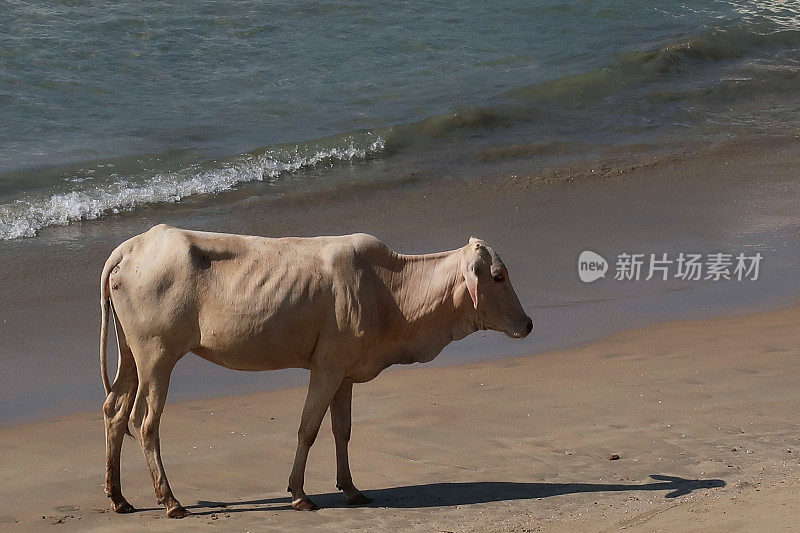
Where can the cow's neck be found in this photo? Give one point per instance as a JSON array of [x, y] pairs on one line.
[[431, 293]]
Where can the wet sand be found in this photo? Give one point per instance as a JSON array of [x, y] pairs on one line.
[[702, 415], [736, 196]]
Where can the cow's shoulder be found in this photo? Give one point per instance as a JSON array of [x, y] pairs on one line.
[[356, 288]]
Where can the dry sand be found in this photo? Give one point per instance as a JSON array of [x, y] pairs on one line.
[[703, 415]]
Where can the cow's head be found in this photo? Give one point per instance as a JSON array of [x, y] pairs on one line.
[[493, 297]]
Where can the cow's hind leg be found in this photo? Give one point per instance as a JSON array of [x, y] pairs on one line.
[[116, 412], [151, 395], [340, 424]]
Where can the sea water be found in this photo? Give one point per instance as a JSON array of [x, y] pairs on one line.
[[107, 108]]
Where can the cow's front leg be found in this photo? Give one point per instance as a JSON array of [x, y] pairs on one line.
[[340, 424], [321, 387]]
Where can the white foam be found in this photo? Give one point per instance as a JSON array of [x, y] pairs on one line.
[[25, 217]]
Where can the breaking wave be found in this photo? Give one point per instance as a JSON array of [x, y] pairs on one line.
[[24, 217]]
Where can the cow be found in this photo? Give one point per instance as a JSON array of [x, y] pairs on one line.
[[344, 307]]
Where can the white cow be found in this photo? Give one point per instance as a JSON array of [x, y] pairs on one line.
[[343, 307]]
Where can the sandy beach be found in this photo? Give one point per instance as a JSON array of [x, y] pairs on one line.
[[494, 435], [702, 415]]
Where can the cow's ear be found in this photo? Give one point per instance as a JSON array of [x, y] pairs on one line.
[[471, 277]]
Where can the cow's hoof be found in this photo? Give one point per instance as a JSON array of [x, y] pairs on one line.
[[357, 499], [304, 504], [123, 507], [177, 512]]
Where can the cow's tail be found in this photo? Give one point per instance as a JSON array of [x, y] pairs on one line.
[[105, 307]]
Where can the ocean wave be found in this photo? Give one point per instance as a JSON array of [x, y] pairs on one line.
[[630, 71], [731, 43], [730, 90], [439, 127], [663, 62], [26, 216]]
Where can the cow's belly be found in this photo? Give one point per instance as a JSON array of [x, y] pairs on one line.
[[255, 343], [268, 358]]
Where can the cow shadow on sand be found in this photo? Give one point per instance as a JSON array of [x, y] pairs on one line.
[[450, 494]]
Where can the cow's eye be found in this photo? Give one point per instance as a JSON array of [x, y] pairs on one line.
[[498, 278]]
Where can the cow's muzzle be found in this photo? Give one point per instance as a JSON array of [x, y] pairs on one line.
[[523, 330]]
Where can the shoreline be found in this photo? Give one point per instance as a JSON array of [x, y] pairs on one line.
[[701, 413], [736, 196], [302, 375]]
